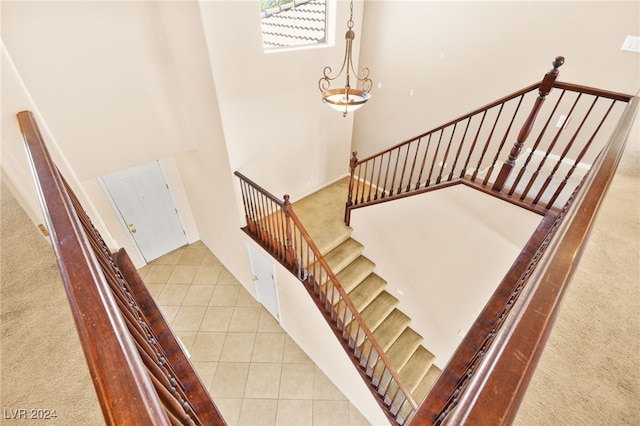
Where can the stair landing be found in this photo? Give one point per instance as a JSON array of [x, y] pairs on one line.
[[322, 214]]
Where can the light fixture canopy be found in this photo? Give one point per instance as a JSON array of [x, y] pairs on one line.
[[346, 99]]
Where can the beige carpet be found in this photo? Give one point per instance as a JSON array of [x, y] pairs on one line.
[[42, 366], [588, 375]]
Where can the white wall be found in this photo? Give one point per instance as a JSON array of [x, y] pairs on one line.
[[445, 266], [102, 78], [15, 164], [16, 169], [270, 103], [457, 56]]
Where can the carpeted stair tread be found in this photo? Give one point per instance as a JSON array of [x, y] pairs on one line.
[[343, 255], [355, 273], [402, 349], [392, 327], [425, 384], [388, 331], [416, 368], [373, 315], [363, 294], [378, 310], [400, 352], [367, 291]]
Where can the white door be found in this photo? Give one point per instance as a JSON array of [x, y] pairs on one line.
[[264, 281], [142, 198]]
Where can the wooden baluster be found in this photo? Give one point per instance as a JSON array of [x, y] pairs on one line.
[[460, 145], [359, 193], [378, 180], [424, 162], [273, 235], [489, 171], [404, 167], [244, 202], [386, 175], [283, 233], [473, 146], [413, 165], [291, 254], [264, 230], [443, 162], [433, 160], [251, 215], [395, 170], [373, 168], [352, 167], [545, 87]]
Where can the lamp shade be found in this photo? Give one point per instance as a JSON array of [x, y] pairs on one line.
[[345, 100]]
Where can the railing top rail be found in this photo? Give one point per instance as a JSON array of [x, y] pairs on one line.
[[121, 381], [624, 97], [261, 189]]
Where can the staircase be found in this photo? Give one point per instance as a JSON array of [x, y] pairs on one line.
[[312, 242], [322, 215]]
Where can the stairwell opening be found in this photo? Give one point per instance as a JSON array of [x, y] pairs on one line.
[[443, 255]]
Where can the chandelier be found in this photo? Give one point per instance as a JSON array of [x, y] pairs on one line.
[[346, 99]]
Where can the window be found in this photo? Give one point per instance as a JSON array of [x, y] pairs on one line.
[[293, 23]]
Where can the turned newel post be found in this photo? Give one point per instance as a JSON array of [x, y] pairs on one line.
[[352, 167], [290, 256], [544, 89]]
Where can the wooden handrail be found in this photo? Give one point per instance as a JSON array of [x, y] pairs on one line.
[[122, 348], [616, 96]]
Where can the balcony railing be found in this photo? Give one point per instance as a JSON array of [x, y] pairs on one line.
[[531, 148], [140, 373]]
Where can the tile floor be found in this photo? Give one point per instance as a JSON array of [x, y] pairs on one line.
[[254, 371]]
